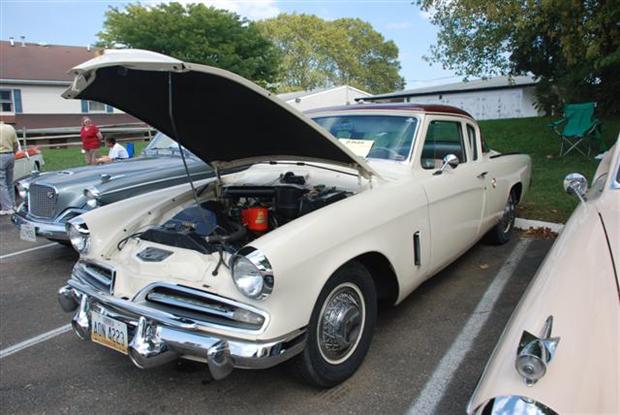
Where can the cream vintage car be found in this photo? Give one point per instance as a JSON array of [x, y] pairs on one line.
[[560, 352], [287, 254]]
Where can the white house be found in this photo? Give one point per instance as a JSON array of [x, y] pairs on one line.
[[33, 76], [320, 98], [484, 99]]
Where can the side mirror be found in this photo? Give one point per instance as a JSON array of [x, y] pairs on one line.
[[576, 184], [448, 160]]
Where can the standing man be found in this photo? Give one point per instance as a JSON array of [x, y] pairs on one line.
[[91, 141], [8, 147]]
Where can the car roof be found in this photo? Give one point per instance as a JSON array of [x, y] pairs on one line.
[[398, 106]]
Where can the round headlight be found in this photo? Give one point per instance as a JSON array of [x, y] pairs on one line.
[[252, 275], [79, 235], [22, 189], [92, 203], [92, 196]]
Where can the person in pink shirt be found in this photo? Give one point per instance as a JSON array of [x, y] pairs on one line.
[[91, 140]]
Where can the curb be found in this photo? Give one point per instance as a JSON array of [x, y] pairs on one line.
[[526, 224]]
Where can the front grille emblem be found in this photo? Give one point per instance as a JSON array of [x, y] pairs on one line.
[[50, 194]]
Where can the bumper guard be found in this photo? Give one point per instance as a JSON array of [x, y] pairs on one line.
[[157, 337]]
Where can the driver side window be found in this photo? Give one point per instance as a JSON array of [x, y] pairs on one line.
[[442, 138]]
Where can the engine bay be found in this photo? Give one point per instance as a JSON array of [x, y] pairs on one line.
[[242, 213]]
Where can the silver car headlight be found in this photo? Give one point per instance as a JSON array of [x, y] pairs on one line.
[[22, 189], [252, 273], [92, 196], [79, 235]]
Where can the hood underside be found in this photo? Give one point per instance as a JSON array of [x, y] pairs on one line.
[[221, 117]]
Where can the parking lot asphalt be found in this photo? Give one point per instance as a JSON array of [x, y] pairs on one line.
[[66, 375]]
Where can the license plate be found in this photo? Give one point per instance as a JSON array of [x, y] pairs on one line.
[[108, 332], [27, 232]]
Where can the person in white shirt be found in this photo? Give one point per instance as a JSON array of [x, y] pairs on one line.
[[117, 152]]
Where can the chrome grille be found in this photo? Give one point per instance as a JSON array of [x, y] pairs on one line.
[[95, 275], [199, 305], [42, 201]]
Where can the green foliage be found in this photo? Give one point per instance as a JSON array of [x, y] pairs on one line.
[[546, 199], [194, 33], [319, 53], [71, 156], [573, 46]]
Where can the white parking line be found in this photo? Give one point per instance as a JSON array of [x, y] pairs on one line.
[[35, 340], [28, 250], [433, 391]]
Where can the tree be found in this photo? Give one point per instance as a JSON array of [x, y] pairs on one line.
[[572, 46], [194, 33], [319, 53]]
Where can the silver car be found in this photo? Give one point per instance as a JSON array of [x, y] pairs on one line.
[[51, 199]]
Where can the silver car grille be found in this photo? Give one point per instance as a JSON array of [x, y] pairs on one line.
[[96, 276], [202, 306], [42, 201]]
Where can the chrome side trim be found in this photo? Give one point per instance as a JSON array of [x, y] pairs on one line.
[[122, 189]]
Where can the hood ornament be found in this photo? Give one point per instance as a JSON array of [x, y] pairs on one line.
[[535, 353]]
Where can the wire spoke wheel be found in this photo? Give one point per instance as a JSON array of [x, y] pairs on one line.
[[341, 323], [340, 328], [508, 217]]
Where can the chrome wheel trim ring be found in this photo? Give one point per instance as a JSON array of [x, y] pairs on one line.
[[341, 323], [509, 215]]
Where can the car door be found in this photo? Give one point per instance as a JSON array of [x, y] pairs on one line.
[[456, 195], [484, 174]]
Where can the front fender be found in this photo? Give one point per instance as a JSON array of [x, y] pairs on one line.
[[307, 251]]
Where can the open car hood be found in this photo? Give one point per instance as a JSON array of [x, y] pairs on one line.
[[221, 117]]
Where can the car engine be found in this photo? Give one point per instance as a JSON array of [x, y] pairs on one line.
[[241, 214]]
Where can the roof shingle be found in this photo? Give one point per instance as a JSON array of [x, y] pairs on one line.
[[40, 63]]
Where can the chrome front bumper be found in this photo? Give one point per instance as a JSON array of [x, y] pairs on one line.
[[50, 230], [157, 337]]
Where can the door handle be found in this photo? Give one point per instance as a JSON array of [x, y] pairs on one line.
[[481, 175]]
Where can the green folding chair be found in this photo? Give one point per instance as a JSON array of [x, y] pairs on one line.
[[581, 129]]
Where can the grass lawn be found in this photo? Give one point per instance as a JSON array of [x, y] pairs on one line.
[[63, 158], [546, 199]]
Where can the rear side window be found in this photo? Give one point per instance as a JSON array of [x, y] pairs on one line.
[[442, 138], [485, 147], [473, 143]]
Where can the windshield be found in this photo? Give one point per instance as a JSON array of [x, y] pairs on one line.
[[373, 136], [162, 145]]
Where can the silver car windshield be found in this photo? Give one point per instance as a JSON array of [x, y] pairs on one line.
[[373, 136], [162, 145]]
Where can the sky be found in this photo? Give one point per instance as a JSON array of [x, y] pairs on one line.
[[76, 22]]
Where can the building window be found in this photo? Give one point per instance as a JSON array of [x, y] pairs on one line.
[[6, 100], [94, 106]]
